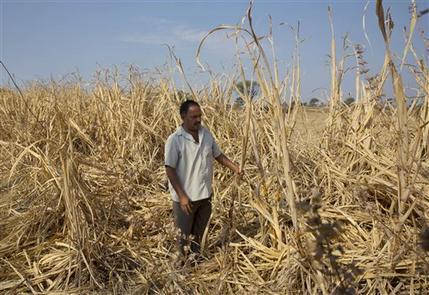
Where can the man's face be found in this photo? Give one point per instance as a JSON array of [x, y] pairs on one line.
[[192, 118]]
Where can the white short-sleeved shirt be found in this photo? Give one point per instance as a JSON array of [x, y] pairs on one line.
[[193, 162]]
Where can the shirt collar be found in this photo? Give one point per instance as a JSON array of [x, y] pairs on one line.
[[181, 131]]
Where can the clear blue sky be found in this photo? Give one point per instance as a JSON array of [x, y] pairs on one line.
[[43, 39]]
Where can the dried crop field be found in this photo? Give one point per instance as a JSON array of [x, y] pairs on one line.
[[333, 200]]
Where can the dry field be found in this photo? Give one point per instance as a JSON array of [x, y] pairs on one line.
[[333, 200]]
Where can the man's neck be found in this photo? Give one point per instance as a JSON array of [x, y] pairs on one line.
[[193, 133]]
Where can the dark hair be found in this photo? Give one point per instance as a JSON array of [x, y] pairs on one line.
[[184, 107]]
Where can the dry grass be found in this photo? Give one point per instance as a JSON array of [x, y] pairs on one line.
[[84, 206]]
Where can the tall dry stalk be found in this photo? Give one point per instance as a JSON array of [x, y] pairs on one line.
[[84, 207]]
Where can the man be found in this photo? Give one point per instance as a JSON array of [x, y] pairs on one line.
[[189, 154]]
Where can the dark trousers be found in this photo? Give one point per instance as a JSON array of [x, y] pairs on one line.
[[192, 226]]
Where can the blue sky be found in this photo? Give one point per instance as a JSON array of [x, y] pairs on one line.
[[43, 39]]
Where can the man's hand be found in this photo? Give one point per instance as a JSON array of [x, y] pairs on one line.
[[224, 161], [238, 172], [185, 204]]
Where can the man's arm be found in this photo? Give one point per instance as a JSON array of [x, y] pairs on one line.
[[224, 161], [183, 198]]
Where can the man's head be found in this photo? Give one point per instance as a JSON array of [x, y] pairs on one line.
[[190, 112]]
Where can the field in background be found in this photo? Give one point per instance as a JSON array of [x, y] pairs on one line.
[[311, 123], [334, 200]]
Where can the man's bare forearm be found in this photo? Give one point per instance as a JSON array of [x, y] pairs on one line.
[[174, 180], [224, 161]]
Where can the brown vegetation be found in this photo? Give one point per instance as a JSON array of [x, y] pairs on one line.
[[332, 200]]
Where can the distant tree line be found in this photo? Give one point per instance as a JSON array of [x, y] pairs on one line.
[[252, 90]]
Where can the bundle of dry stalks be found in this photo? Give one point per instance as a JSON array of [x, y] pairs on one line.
[[332, 200]]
